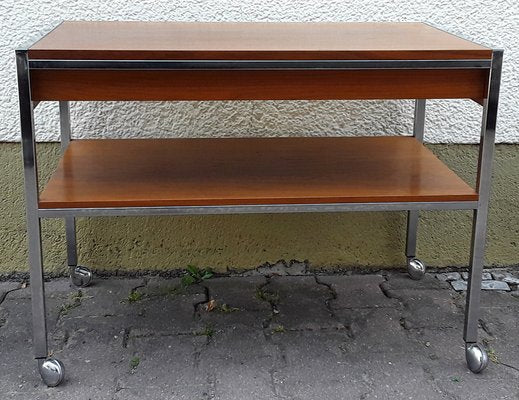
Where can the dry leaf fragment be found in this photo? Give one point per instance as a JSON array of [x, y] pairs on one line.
[[210, 306]]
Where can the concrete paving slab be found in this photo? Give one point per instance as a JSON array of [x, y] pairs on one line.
[[492, 299], [456, 382], [142, 306], [162, 367], [357, 291], [235, 303], [325, 371], [407, 345], [297, 297], [428, 308], [377, 330], [237, 369], [7, 287]]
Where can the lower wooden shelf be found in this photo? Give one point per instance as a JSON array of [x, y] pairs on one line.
[[198, 172]]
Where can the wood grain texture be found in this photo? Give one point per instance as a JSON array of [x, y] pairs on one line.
[[258, 85], [246, 41], [186, 172]]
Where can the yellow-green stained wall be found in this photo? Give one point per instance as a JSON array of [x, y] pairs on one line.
[[370, 240]]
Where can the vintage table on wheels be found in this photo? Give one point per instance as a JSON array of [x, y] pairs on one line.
[[139, 61]]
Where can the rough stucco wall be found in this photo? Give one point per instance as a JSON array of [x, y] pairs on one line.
[[243, 241], [492, 23], [349, 239]]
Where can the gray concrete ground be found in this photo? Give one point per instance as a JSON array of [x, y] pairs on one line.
[[260, 337]]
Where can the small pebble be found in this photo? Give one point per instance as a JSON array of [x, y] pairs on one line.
[[459, 285], [506, 277], [486, 276], [485, 285], [448, 276], [495, 285]]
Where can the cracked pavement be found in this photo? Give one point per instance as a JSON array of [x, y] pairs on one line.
[[272, 334]]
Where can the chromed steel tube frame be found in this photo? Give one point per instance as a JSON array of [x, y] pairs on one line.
[[412, 215], [483, 186], [254, 209], [34, 214], [70, 221], [258, 64], [39, 321]]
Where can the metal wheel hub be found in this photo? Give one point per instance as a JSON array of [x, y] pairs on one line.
[[415, 268], [80, 276], [476, 356], [52, 371]]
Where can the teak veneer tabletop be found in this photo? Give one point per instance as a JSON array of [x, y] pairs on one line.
[[197, 172], [112, 40]]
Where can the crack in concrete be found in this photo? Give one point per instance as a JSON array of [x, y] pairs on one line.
[[402, 305], [3, 295], [333, 296], [507, 366], [273, 305], [436, 387], [207, 295], [280, 360], [280, 363], [211, 381], [145, 281], [126, 337], [197, 354], [483, 325]]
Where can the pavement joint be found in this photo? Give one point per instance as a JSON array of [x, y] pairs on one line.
[[3, 295], [333, 296], [387, 291], [280, 363], [483, 325], [126, 337], [506, 365], [436, 387], [280, 360], [270, 298], [212, 385], [199, 349]]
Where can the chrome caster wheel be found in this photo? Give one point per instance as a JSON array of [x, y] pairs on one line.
[[476, 356], [80, 276], [52, 371], [415, 268]]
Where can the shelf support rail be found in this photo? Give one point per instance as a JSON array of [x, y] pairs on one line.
[[254, 209], [483, 186]]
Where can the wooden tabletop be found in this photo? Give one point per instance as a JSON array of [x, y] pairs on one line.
[[252, 41], [194, 172]]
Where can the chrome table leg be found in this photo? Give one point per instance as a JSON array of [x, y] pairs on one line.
[[51, 376], [476, 356], [79, 275], [415, 267]]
